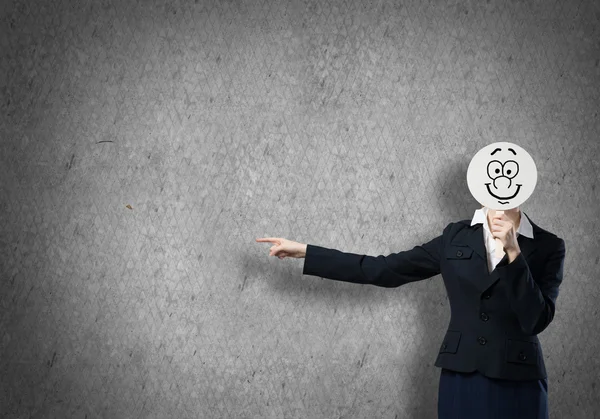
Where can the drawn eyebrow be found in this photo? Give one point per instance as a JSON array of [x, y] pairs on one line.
[[498, 149]]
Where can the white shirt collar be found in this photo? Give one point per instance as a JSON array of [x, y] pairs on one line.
[[524, 228]]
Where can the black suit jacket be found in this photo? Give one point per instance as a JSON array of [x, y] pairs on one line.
[[495, 317]]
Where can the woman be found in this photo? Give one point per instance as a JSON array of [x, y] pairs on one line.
[[491, 359]]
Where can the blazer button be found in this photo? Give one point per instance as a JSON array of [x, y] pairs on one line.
[[481, 340], [444, 346], [486, 296], [522, 356], [484, 317], [459, 253]]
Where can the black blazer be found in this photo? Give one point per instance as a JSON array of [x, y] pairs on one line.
[[495, 317]]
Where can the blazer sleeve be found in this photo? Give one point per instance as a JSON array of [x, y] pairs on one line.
[[534, 302], [421, 262]]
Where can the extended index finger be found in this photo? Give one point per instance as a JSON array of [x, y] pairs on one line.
[[270, 240]]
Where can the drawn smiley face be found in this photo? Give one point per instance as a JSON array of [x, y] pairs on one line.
[[501, 176]]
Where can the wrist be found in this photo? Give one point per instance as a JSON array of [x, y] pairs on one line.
[[512, 253]]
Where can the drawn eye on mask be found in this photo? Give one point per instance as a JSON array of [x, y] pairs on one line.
[[501, 176]]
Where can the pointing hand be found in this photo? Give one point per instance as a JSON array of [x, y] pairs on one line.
[[284, 248]]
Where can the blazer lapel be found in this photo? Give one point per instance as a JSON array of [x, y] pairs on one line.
[[473, 237]]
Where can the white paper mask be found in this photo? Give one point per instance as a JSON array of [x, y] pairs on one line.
[[501, 176]]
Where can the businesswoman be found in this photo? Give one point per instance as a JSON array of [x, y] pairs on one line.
[[491, 360]]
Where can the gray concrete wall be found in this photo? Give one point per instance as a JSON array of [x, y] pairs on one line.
[[343, 124]]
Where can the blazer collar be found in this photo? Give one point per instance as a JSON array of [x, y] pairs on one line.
[[473, 237]]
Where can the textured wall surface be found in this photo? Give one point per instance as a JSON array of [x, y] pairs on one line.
[[144, 146]]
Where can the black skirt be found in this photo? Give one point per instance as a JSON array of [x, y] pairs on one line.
[[473, 395]]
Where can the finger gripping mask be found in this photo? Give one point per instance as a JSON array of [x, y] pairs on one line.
[[501, 176]]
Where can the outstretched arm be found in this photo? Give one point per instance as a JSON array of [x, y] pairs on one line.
[[421, 262]]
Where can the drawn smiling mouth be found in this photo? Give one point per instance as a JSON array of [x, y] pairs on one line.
[[503, 197]]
